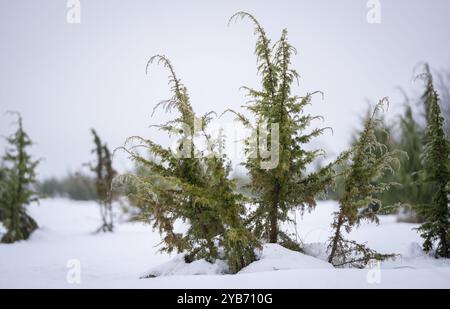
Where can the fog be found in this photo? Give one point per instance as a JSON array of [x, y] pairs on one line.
[[67, 78]]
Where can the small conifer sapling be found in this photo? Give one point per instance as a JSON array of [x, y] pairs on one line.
[[436, 228], [284, 187], [105, 174], [18, 176], [368, 162], [185, 184]]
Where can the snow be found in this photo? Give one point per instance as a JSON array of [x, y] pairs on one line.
[[178, 267], [119, 259], [275, 257]]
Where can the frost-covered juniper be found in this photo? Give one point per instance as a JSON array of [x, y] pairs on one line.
[[185, 184], [368, 162], [435, 157], [17, 178], [279, 190], [104, 173]]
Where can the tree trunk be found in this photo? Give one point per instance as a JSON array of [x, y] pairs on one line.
[[445, 250], [273, 217], [336, 237]]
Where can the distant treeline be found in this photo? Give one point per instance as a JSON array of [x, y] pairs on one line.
[[76, 186]]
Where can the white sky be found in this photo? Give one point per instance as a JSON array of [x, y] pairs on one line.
[[66, 78]]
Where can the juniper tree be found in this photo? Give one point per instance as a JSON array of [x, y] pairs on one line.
[[383, 134], [368, 162], [104, 176], [435, 158], [185, 184], [16, 189], [281, 189], [409, 139]]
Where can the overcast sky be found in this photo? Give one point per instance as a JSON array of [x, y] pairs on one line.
[[66, 78]]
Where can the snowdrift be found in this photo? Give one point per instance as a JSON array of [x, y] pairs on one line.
[[273, 257]]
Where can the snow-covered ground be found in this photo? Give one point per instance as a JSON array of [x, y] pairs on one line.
[[65, 241]]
